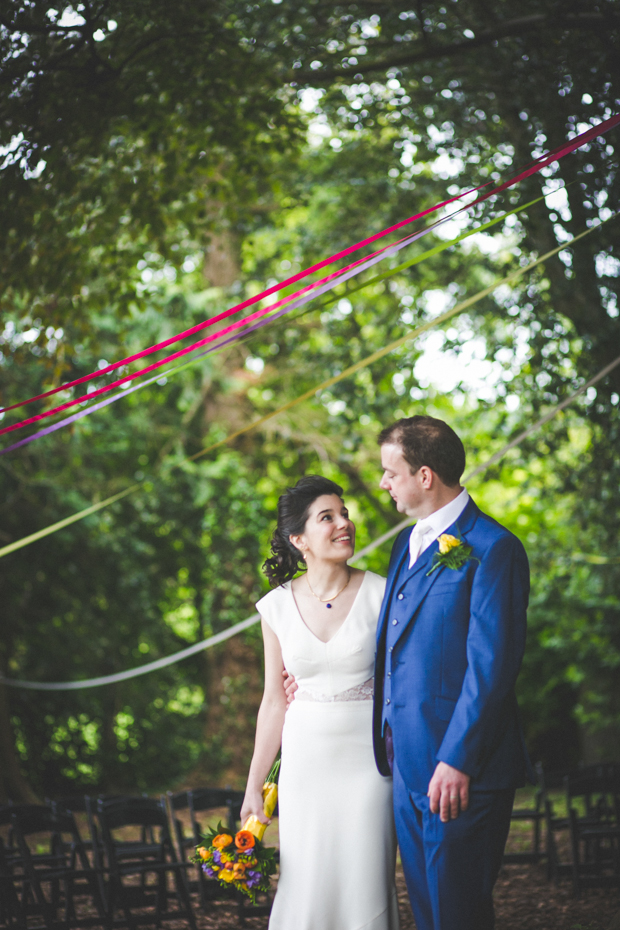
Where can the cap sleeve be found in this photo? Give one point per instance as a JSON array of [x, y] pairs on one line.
[[377, 584], [268, 608]]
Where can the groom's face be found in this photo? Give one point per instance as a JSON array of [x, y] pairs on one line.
[[407, 490]]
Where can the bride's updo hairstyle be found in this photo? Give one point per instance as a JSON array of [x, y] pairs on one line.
[[293, 508]]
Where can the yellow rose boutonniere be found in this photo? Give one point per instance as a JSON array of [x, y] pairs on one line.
[[447, 542], [453, 553]]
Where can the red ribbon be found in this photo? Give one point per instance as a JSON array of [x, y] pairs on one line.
[[545, 160], [236, 309], [196, 345]]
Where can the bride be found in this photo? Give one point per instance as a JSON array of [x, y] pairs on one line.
[[337, 839]]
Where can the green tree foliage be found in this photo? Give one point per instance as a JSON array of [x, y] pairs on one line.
[[128, 128], [144, 579], [167, 129]]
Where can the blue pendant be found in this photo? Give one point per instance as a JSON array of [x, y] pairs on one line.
[[329, 606]]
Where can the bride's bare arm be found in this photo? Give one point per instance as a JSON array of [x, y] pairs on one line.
[[268, 726]]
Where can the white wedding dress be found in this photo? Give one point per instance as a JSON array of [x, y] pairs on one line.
[[337, 837]]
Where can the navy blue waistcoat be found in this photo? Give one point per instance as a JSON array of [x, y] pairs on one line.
[[397, 614]]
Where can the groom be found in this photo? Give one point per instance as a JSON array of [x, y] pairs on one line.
[[450, 641]]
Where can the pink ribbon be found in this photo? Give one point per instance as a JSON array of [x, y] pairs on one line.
[[236, 309], [317, 285], [536, 166]]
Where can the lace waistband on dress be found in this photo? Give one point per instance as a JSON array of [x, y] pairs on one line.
[[363, 692]]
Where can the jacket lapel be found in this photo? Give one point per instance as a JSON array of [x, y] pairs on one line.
[[419, 579], [466, 521], [419, 584]]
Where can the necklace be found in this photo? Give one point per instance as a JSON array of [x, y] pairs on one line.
[[324, 600]]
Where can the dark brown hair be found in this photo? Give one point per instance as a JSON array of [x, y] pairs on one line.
[[428, 441], [293, 507]]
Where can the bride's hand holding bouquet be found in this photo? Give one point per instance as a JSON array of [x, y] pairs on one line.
[[241, 860]]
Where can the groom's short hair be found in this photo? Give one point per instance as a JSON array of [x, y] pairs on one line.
[[428, 441]]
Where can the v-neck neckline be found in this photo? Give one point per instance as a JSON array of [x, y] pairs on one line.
[[344, 622]]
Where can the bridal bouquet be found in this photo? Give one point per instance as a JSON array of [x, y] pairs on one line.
[[241, 861]]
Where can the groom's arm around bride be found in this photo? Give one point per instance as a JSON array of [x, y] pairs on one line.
[[451, 637]]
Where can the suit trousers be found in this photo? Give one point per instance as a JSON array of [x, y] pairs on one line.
[[451, 868]]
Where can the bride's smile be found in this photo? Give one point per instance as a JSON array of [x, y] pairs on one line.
[[329, 533]]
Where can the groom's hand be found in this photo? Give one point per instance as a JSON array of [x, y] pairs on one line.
[[290, 686], [448, 791]]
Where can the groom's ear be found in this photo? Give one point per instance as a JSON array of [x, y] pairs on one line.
[[427, 477]]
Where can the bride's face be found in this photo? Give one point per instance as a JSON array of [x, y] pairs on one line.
[[329, 534]]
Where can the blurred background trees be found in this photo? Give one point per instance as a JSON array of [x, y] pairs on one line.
[[163, 161]]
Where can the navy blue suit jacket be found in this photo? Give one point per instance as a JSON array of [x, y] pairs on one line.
[[456, 660]]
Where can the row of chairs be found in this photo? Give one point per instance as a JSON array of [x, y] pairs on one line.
[[130, 863], [590, 824], [126, 872]]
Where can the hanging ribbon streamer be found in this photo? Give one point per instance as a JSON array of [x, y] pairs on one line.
[[536, 166], [246, 624], [340, 278], [290, 303], [239, 307], [104, 403], [458, 308], [26, 540], [310, 290]]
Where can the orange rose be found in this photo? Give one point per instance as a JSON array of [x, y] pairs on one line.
[[238, 871], [203, 853], [244, 840], [221, 840]]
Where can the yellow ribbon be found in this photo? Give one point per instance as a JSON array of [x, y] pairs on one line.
[[458, 308], [352, 369]]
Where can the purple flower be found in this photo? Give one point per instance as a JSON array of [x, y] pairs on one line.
[[253, 878], [217, 858], [208, 871]]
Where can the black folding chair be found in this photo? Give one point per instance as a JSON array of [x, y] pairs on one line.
[[64, 871], [555, 824], [150, 853], [74, 804], [535, 815], [595, 829], [202, 801], [9, 902], [196, 802], [10, 849], [13, 859]]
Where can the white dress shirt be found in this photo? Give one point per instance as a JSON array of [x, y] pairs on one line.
[[427, 530]]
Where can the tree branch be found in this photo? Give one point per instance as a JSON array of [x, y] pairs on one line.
[[514, 27]]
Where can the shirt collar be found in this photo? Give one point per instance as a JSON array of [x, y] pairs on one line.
[[436, 524], [439, 521]]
